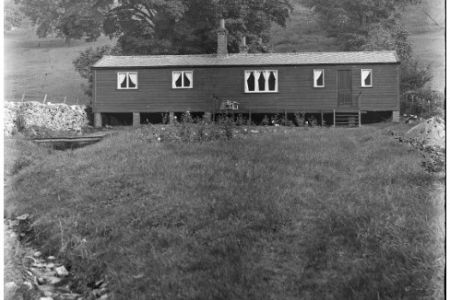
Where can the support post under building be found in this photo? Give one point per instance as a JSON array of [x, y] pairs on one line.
[[136, 119], [97, 120]]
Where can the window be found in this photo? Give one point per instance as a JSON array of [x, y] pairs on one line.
[[366, 77], [261, 81], [127, 80], [182, 79], [319, 78]]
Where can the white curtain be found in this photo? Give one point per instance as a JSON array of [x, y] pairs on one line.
[[120, 78], [189, 76], [247, 76], [364, 76], [266, 78], [175, 76], [317, 74], [132, 80]]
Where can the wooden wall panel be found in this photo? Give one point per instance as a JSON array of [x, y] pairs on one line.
[[295, 90]]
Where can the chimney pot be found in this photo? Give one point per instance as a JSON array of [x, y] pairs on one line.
[[222, 39], [243, 48]]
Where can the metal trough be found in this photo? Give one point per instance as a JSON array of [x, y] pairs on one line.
[[63, 143]]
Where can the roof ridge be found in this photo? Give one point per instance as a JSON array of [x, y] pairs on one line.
[[253, 59]]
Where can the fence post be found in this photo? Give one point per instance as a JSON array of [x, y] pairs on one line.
[[45, 98]]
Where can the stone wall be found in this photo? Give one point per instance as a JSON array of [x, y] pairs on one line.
[[53, 116]]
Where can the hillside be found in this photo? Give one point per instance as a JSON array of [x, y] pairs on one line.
[[44, 66]]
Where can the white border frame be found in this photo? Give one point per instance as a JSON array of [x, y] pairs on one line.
[[314, 81], [371, 78], [127, 73], [182, 80], [261, 92]]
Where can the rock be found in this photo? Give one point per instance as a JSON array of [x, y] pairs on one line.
[[96, 292], [104, 297], [69, 296], [48, 293], [10, 288], [98, 283], [54, 116], [38, 265], [51, 258], [41, 280], [54, 280], [46, 298], [37, 254], [23, 217], [62, 271], [46, 288], [28, 285], [13, 223], [50, 266]]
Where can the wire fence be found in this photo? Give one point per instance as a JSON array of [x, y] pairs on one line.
[[45, 98]]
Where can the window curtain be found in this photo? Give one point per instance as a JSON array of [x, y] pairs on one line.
[[121, 80], [317, 74], [366, 77], [257, 74], [247, 76], [176, 82], [272, 81], [189, 78], [132, 80]]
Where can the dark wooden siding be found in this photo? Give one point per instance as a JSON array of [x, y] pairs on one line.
[[295, 90]]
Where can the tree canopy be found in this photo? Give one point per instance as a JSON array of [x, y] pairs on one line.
[[364, 24], [66, 18], [180, 27]]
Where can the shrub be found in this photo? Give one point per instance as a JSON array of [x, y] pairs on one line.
[[423, 102]]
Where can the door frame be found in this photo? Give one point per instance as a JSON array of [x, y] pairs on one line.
[[337, 88]]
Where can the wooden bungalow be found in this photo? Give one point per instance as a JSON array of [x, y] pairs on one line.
[[344, 84]]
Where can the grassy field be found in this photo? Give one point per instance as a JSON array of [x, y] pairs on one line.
[[43, 66], [292, 213]]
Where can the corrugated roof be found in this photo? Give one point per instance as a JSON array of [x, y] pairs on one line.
[[300, 58]]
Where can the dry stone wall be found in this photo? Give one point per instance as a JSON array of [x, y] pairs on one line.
[[53, 116]]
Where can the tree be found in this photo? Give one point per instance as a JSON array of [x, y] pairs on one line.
[[13, 15], [87, 59], [364, 24], [182, 27], [66, 18]]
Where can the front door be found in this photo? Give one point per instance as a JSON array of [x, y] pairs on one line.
[[344, 84]]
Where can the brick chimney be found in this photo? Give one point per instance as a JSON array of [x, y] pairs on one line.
[[222, 39], [243, 48]]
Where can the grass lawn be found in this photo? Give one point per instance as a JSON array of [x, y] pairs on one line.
[[291, 214]]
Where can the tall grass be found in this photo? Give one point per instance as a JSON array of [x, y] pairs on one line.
[[301, 213]]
